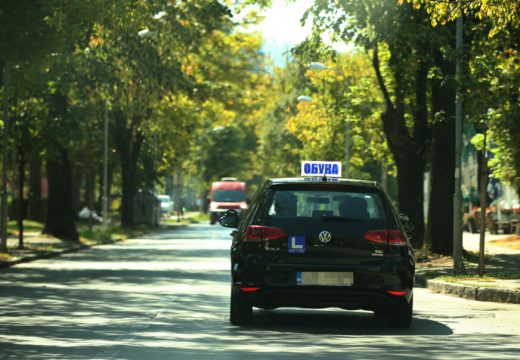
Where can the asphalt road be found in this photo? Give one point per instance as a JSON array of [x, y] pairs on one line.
[[167, 297]]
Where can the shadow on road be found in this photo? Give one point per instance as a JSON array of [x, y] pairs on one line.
[[168, 298], [339, 322]]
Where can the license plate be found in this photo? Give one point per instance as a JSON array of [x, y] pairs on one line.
[[325, 278]]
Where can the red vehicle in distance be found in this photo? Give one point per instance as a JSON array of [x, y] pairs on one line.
[[226, 194]]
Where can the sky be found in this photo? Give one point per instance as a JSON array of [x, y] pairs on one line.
[[282, 29]]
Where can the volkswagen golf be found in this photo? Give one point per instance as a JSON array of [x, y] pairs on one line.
[[314, 243]]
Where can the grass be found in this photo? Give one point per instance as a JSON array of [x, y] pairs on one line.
[[28, 225], [5, 257], [473, 276], [198, 218], [434, 266], [102, 235], [466, 277], [191, 218], [489, 281], [36, 243]]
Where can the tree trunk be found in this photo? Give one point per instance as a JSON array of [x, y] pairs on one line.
[[411, 194], [408, 150], [60, 212], [440, 214], [128, 140], [77, 180], [34, 211]]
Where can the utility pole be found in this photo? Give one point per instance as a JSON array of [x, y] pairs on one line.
[[483, 206], [457, 195], [3, 205], [104, 198]]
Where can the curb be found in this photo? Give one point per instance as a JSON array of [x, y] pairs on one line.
[[474, 293], [56, 253], [52, 254]]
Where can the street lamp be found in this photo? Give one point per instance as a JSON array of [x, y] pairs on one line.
[[145, 33], [458, 265], [304, 98], [319, 66]]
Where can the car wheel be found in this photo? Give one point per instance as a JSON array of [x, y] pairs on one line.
[[241, 311], [212, 218], [402, 315]]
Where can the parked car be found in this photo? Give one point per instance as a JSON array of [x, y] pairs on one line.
[[166, 204], [503, 220], [314, 244]]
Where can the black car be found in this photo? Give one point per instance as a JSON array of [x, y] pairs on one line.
[[320, 243]]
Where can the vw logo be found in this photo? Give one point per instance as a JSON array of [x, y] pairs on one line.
[[324, 236]]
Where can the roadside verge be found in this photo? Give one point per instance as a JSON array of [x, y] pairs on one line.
[[501, 282], [494, 294]]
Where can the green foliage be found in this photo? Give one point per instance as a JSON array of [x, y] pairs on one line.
[[344, 93], [163, 72], [501, 14], [279, 150]]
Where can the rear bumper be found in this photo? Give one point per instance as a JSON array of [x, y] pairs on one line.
[[217, 214], [325, 296]]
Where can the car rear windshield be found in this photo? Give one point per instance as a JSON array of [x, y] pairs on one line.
[[229, 196], [329, 203]]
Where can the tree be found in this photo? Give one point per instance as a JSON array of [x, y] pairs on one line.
[[343, 95], [499, 13], [225, 143], [443, 85], [397, 40], [492, 48], [279, 150]]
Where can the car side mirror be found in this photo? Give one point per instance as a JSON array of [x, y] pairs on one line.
[[408, 226], [230, 219]]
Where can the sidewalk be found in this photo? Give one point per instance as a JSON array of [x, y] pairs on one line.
[[38, 246], [502, 270]]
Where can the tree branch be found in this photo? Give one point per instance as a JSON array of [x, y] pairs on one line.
[[380, 80]]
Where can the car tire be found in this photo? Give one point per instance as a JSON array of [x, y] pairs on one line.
[[240, 311], [402, 315], [212, 218]]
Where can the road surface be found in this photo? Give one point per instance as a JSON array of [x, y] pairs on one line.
[[166, 296]]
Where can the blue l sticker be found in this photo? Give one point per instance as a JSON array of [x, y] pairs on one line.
[[298, 278], [296, 244]]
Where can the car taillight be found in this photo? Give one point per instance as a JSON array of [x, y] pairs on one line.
[[259, 233], [397, 292], [249, 289], [390, 237]]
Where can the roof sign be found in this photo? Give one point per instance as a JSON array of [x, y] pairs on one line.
[[321, 168]]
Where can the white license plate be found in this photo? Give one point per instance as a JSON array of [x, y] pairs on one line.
[[325, 278]]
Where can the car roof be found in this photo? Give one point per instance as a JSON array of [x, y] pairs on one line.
[[330, 181]]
